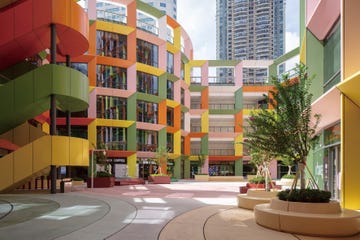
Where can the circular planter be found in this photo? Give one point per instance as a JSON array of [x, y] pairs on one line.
[[315, 219], [255, 197]]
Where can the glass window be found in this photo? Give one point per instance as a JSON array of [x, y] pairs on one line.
[[163, 5], [182, 96], [170, 142], [170, 116], [111, 77], [113, 138], [147, 53], [169, 90], [111, 44], [111, 12], [108, 107], [147, 83], [146, 140], [147, 112], [332, 59], [147, 22], [170, 63]]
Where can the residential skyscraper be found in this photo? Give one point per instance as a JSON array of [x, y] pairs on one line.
[[250, 29], [167, 6]]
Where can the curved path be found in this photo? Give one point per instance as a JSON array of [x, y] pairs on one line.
[[184, 210]]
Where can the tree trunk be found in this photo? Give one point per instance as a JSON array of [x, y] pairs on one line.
[[301, 169], [289, 170]]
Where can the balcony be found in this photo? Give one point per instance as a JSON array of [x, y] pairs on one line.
[[195, 151], [216, 81], [195, 80], [116, 145], [195, 129], [111, 17], [221, 106], [147, 27], [144, 147], [222, 129], [222, 152]]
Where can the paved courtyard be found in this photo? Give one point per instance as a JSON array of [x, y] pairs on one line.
[[182, 210]]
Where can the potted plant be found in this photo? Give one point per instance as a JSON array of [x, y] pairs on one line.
[[160, 176], [200, 163]]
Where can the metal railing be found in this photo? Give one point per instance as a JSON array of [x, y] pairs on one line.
[[147, 27], [111, 17], [221, 81], [221, 106], [222, 152], [221, 129]]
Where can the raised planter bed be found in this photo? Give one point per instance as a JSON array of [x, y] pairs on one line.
[[159, 179], [101, 182], [202, 177], [314, 219], [128, 181], [254, 197]]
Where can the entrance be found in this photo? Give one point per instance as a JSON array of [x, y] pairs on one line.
[[332, 170]]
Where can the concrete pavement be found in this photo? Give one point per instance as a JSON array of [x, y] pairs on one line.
[[183, 210]]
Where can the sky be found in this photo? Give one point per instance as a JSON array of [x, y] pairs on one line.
[[199, 20]]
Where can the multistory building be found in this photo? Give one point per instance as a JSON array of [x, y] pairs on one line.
[[248, 29], [167, 6]]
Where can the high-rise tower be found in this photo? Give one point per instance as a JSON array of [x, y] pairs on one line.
[[250, 29], [167, 6]]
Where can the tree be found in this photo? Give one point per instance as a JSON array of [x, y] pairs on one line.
[[201, 162], [286, 131], [161, 159]]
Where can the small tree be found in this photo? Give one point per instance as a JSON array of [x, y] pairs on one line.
[[161, 159], [201, 162], [287, 131]]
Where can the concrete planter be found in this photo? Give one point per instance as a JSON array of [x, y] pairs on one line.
[[159, 179], [101, 182], [314, 219], [202, 178]]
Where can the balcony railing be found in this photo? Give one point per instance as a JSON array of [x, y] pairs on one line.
[[220, 106], [289, 74], [112, 114], [147, 27], [221, 81], [196, 80], [146, 147], [195, 151], [221, 129], [195, 129], [256, 82], [195, 106], [116, 145], [222, 152], [111, 17]]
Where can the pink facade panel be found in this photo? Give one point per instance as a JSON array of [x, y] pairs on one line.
[[324, 17]]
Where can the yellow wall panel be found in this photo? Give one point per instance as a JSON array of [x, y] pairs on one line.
[[171, 103], [23, 162], [77, 157], [177, 142], [171, 48], [131, 163], [60, 151], [205, 122], [42, 153], [149, 69], [238, 146], [92, 134], [21, 135], [197, 63], [116, 28], [350, 132], [6, 171]]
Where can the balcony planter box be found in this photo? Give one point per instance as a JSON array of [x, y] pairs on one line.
[[202, 177], [101, 182], [159, 179]]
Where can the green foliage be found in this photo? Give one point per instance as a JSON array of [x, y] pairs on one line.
[[77, 179], [158, 174], [258, 180], [288, 176], [305, 195], [103, 174]]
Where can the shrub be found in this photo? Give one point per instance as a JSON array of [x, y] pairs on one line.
[[158, 174], [305, 195], [77, 179], [258, 180], [103, 174], [288, 176]]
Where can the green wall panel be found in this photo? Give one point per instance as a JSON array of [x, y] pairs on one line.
[[239, 167]]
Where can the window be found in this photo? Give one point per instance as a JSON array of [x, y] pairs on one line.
[[332, 59], [108, 107], [146, 140], [111, 12], [113, 138], [147, 53], [147, 22], [170, 142], [182, 96], [170, 63], [163, 5], [147, 83], [169, 90], [170, 116], [147, 112], [111, 77], [111, 44]]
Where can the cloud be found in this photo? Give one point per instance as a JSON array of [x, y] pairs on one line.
[[292, 41], [198, 18]]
